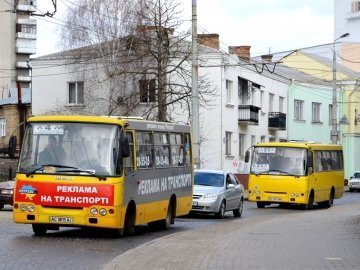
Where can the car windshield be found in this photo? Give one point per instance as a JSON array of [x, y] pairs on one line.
[[209, 179], [357, 175], [279, 160], [70, 148]]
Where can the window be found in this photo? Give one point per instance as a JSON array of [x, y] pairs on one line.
[[162, 152], [241, 145], [316, 112], [129, 162], [262, 139], [281, 104], [25, 28], [227, 143], [298, 109], [328, 160], [76, 93], [147, 90], [228, 92], [144, 150], [2, 127], [355, 6], [253, 140], [271, 102]]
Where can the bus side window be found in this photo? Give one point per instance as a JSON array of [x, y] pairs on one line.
[[144, 150], [187, 150], [129, 161]]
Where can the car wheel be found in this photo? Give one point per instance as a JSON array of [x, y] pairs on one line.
[[351, 190], [39, 229], [238, 212], [221, 212], [1, 206], [260, 204]]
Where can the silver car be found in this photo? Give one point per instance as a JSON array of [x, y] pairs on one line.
[[216, 192], [354, 182]]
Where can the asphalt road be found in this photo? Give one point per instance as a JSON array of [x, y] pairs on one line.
[[87, 249]]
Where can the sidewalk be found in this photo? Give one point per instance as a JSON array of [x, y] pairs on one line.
[[317, 239]]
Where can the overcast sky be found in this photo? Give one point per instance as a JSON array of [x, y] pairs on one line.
[[265, 25]]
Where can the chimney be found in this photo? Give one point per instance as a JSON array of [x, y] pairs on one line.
[[209, 40], [267, 58], [243, 52]]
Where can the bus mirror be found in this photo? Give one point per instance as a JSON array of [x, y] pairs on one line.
[[310, 161], [12, 147], [247, 156], [125, 147]]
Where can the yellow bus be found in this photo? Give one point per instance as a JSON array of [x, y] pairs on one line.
[[106, 172], [295, 173]]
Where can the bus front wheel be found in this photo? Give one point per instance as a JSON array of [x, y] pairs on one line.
[[260, 204], [39, 229], [310, 204]]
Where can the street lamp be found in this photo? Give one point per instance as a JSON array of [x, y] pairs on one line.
[[334, 131]]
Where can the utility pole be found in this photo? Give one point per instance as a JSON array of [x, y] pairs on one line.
[[334, 130], [195, 92]]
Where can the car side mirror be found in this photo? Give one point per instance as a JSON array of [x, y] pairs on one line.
[[230, 186]]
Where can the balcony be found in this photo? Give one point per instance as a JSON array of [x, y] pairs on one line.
[[277, 120], [248, 114], [27, 6]]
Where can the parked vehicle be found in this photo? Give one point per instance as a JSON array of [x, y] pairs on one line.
[[354, 182], [6, 193], [216, 192]]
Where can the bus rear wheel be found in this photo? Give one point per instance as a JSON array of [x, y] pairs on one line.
[[328, 203], [39, 229]]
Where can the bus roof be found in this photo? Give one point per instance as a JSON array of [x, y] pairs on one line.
[[301, 144], [137, 123]]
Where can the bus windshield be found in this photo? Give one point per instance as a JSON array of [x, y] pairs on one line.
[[279, 160], [71, 148]]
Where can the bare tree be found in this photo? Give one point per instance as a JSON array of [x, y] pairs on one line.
[[139, 59]]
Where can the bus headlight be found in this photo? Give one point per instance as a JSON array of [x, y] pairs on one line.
[[94, 211], [31, 208], [295, 194], [23, 207], [256, 193], [102, 212]]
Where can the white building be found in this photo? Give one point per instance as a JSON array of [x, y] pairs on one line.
[[347, 19], [250, 105]]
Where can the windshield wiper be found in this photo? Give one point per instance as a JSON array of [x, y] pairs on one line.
[[73, 169], [92, 173], [47, 165], [279, 171]]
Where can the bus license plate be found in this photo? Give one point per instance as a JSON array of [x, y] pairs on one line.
[[275, 199], [62, 219]]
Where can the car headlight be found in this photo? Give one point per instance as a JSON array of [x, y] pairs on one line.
[[209, 197], [7, 191]]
